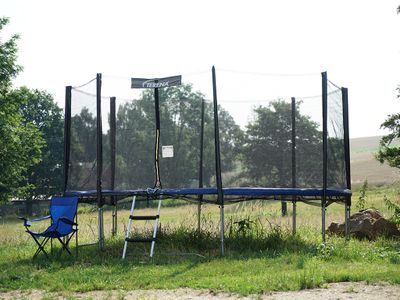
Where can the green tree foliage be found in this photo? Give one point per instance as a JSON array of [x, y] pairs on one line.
[[9, 68], [267, 148], [20, 142], [39, 109], [394, 208], [387, 151]]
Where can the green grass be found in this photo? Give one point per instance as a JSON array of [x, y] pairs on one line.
[[263, 256]]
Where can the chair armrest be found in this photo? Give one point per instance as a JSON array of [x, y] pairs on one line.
[[28, 223], [41, 218], [67, 221]]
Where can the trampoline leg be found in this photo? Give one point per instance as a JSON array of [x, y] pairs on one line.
[[347, 220], [101, 228], [222, 227], [198, 217], [323, 208], [294, 217], [114, 220], [284, 208]]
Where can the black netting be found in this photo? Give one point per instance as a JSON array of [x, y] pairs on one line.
[[180, 136], [336, 171], [255, 133], [82, 164], [106, 155], [180, 113], [309, 150], [135, 132]]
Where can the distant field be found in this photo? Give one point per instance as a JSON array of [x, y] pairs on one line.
[[365, 166]]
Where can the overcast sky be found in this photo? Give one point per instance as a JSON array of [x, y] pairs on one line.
[[356, 42]]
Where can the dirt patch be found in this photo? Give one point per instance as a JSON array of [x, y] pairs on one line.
[[343, 290]]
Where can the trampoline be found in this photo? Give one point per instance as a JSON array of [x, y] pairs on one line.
[[170, 142]]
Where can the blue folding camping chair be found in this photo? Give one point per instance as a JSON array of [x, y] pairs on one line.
[[63, 215]]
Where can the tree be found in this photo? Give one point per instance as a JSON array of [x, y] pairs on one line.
[[39, 109], [267, 150], [387, 151], [9, 68], [20, 143]]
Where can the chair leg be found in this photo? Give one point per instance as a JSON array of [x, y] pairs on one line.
[[69, 238], [76, 243], [75, 232], [64, 241], [64, 245], [40, 246]]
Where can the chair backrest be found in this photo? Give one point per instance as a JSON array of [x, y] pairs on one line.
[[63, 207]]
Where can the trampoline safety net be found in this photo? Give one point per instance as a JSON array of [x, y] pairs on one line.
[[83, 138], [270, 133]]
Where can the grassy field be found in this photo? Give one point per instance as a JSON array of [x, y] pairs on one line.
[[263, 256], [365, 166]]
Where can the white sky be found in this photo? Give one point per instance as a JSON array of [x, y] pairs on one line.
[[356, 42]]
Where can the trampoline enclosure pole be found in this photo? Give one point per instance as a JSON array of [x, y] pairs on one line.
[[324, 149], [67, 135], [294, 161], [112, 160], [157, 183], [201, 165], [99, 154], [218, 176], [345, 104]]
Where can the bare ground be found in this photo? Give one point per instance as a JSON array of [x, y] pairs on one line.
[[343, 290]]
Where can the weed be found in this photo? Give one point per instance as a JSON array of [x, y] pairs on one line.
[[244, 226], [308, 280], [361, 201], [394, 208], [326, 250]]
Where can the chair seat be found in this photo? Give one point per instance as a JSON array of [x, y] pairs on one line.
[[49, 232]]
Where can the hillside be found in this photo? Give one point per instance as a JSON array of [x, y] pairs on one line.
[[365, 166]]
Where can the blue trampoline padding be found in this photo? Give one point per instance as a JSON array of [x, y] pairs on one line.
[[256, 191], [239, 191]]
